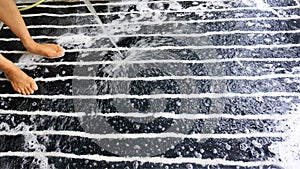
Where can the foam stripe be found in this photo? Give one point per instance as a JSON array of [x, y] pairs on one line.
[[157, 96], [259, 46], [42, 113], [263, 77], [163, 11], [187, 116], [165, 22], [168, 35], [160, 160], [125, 62], [147, 135]]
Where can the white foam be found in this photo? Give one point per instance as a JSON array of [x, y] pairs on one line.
[[159, 96], [288, 151], [279, 117], [112, 24], [28, 59], [151, 135], [161, 160], [81, 41], [263, 6], [204, 61], [77, 41], [122, 78], [30, 143], [259, 46]]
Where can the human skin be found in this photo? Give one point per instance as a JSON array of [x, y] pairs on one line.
[[20, 81]]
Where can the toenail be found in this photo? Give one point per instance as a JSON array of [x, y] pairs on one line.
[[36, 87]]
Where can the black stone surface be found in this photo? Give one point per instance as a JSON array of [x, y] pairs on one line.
[[250, 149]]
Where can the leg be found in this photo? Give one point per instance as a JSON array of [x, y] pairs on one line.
[[11, 16], [21, 82]]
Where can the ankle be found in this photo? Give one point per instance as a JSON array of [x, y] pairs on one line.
[[29, 44], [9, 68]]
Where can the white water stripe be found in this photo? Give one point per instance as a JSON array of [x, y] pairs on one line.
[[200, 10], [157, 96], [57, 15], [169, 35], [153, 2], [163, 22], [125, 62], [187, 116], [161, 11], [204, 21], [259, 46], [134, 2], [34, 37], [13, 52], [43, 113], [208, 33], [161, 160], [262, 77], [211, 33], [55, 6], [122, 3], [59, 26], [146, 135]]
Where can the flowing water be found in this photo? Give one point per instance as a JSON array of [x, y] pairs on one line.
[[156, 84]]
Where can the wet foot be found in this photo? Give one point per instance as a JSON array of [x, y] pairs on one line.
[[47, 50], [20, 81]]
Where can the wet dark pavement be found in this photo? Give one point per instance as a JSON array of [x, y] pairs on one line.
[[191, 84]]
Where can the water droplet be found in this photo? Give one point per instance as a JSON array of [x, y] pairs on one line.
[[228, 147], [189, 166]]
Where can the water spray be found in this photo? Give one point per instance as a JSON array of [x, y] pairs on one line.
[[93, 11]]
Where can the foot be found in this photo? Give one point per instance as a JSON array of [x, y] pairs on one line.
[[20, 81], [47, 50]]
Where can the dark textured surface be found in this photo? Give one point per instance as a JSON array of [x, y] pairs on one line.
[[280, 152]]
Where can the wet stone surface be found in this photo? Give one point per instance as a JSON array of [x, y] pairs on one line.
[[190, 85]]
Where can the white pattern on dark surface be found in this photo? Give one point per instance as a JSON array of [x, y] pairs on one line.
[[200, 84]]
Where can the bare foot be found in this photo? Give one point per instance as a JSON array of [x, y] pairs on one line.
[[48, 50], [20, 81]]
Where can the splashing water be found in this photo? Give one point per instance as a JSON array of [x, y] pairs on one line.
[[124, 69], [31, 143], [287, 151]]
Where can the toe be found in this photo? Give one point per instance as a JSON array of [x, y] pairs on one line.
[[27, 91], [54, 52], [19, 91], [22, 91], [59, 51], [17, 88], [30, 91], [33, 85]]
